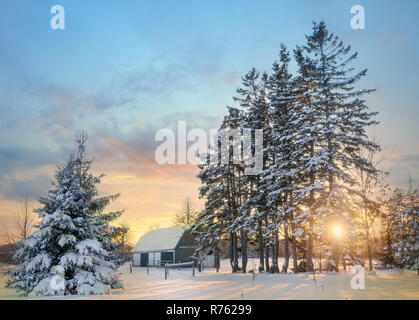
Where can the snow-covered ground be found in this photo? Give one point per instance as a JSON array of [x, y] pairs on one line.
[[5, 293], [385, 284]]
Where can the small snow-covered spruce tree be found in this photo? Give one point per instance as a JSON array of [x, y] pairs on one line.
[[386, 235], [71, 252], [392, 204], [407, 230]]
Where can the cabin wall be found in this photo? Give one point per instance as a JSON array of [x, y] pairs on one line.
[[183, 252], [154, 258], [185, 248], [136, 260]]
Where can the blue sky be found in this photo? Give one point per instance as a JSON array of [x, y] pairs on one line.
[[122, 70]]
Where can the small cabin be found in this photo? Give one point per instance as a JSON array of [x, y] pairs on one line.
[[163, 246]]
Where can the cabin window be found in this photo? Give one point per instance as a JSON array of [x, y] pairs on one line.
[[166, 257]]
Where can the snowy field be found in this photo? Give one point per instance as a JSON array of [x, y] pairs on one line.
[[388, 284]]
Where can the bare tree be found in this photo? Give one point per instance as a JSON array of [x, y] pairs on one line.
[[187, 215], [369, 181], [126, 234], [123, 237], [24, 220], [153, 227], [23, 223], [9, 238]]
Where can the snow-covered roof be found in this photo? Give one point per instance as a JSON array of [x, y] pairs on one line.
[[161, 239]]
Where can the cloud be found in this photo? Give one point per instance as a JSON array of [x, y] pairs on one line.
[[133, 150], [230, 77], [121, 115], [26, 171], [126, 149], [411, 159], [400, 165], [17, 158], [32, 187], [151, 81]]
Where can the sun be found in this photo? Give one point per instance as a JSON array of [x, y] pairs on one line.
[[337, 230]]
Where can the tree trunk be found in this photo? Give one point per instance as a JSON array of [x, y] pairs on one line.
[[243, 234], [336, 259], [267, 258], [309, 256], [275, 252], [233, 236], [367, 237], [266, 251], [294, 255], [286, 249], [217, 258], [231, 251], [235, 253], [294, 246], [261, 255]]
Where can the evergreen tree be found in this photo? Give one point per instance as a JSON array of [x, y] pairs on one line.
[[233, 179], [306, 132], [71, 253], [252, 98], [344, 118], [221, 191], [386, 234], [407, 230], [314, 128], [279, 177]]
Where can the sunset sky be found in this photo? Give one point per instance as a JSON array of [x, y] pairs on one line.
[[121, 70]]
